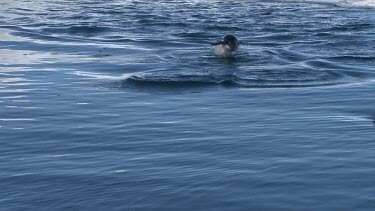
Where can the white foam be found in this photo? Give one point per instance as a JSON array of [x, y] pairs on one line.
[[357, 4]]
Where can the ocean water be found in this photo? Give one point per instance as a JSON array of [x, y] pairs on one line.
[[120, 105]]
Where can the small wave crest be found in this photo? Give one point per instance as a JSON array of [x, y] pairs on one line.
[[78, 30], [309, 74], [340, 3]]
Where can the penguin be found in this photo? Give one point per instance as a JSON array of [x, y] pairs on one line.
[[227, 46]]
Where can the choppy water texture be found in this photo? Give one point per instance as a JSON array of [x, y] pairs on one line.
[[120, 105]]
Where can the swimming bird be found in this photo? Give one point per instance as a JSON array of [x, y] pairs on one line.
[[227, 46]]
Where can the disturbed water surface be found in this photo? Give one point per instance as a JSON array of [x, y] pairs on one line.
[[120, 105]]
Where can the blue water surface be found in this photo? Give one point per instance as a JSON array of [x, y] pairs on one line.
[[120, 105]]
